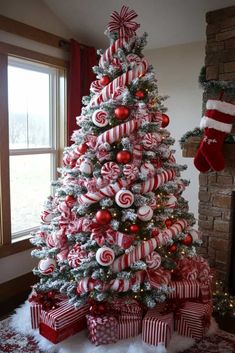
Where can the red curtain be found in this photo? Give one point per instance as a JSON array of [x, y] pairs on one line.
[[82, 58]]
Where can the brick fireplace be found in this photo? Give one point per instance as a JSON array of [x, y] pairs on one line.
[[217, 190]]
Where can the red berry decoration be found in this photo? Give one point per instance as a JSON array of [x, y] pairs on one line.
[[188, 239], [165, 120], [139, 94], [121, 113], [123, 157], [82, 148], [173, 248], [168, 222], [134, 228], [103, 217], [104, 80], [70, 200]]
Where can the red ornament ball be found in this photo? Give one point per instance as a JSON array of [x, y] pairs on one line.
[[70, 200], [82, 148], [188, 239], [105, 80], [165, 120], [134, 228], [123, 157], [72, 163], [121, 112], [168, 222], [103, 217], [139, 94], [154, 232], [172, 248]]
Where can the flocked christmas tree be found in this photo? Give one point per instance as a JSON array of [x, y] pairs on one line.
[[118, 225]]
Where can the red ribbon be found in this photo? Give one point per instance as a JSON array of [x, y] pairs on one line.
[[122, 23]]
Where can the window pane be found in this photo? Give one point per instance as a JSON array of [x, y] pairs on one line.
[[30, 178], [29, 108]]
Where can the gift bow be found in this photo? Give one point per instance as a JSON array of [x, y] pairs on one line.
[[122, 23]]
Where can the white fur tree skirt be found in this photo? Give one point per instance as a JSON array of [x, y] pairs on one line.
[[79, 343]]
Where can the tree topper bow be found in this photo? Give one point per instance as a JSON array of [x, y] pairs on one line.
[[122, 23]]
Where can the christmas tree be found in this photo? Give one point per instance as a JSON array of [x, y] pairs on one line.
[[118, 225]]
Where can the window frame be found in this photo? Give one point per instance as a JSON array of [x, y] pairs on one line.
[[9, 245]]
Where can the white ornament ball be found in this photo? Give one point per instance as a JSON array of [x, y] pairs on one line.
[[47, 266], [147, 169], [124, 198], [145, 213], [86, 167], [171, 201], [105, 256], [100, 118]]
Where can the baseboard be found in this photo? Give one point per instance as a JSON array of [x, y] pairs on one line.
[[15, 292]]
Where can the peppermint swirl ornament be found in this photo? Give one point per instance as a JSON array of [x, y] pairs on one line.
[[105, 256], [110, 171], [151, 140], [100, 118], [145, 213], [153, 260], [76, 256], [124, 198], [130, 171], [47, 266]]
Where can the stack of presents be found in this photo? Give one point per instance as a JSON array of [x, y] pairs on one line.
[[187, 311]]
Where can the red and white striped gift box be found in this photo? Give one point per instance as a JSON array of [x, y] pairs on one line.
[[35, 311], [157, 328], [185, 289], [102, 329], [129, 327], [127, 309], [193, 320], [63, 321]]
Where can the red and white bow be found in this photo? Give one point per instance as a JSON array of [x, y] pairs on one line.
[[122, 23]]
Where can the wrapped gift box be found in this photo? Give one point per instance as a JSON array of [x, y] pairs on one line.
[[35, 312], [157, 328], [127, 308], [186, 289], [63, 321], [102, 329], [193, 319], [129, 327]]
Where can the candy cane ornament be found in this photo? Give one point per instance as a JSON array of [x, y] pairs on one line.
[[114, 134], [108, 191], [156, 181], [109, 53], [147, 247], [122, 80]]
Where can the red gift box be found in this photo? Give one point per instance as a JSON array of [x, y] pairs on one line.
[[127, 309], [129, 327], [35, 311], [157, 328], [193, 319], [63, 321], [185, 289], [102, 329]]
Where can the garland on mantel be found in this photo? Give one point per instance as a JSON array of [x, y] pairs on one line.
[[212, 86]]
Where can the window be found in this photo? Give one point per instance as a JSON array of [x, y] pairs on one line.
[[32, 106]]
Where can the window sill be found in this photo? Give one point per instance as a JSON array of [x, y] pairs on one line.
[[14, 248]]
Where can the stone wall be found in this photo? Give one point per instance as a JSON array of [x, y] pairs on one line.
[[216, 190]]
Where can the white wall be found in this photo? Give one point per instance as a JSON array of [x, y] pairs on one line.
[[177, 70], [37, 14]]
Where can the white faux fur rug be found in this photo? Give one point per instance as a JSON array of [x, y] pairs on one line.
[[21, 322]]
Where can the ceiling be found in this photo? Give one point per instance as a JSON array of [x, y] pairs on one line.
[[168, 22]]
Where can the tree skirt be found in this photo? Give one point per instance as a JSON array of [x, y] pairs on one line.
[[17, 336]]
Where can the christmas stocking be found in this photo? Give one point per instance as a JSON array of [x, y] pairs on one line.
[[217, 122]]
